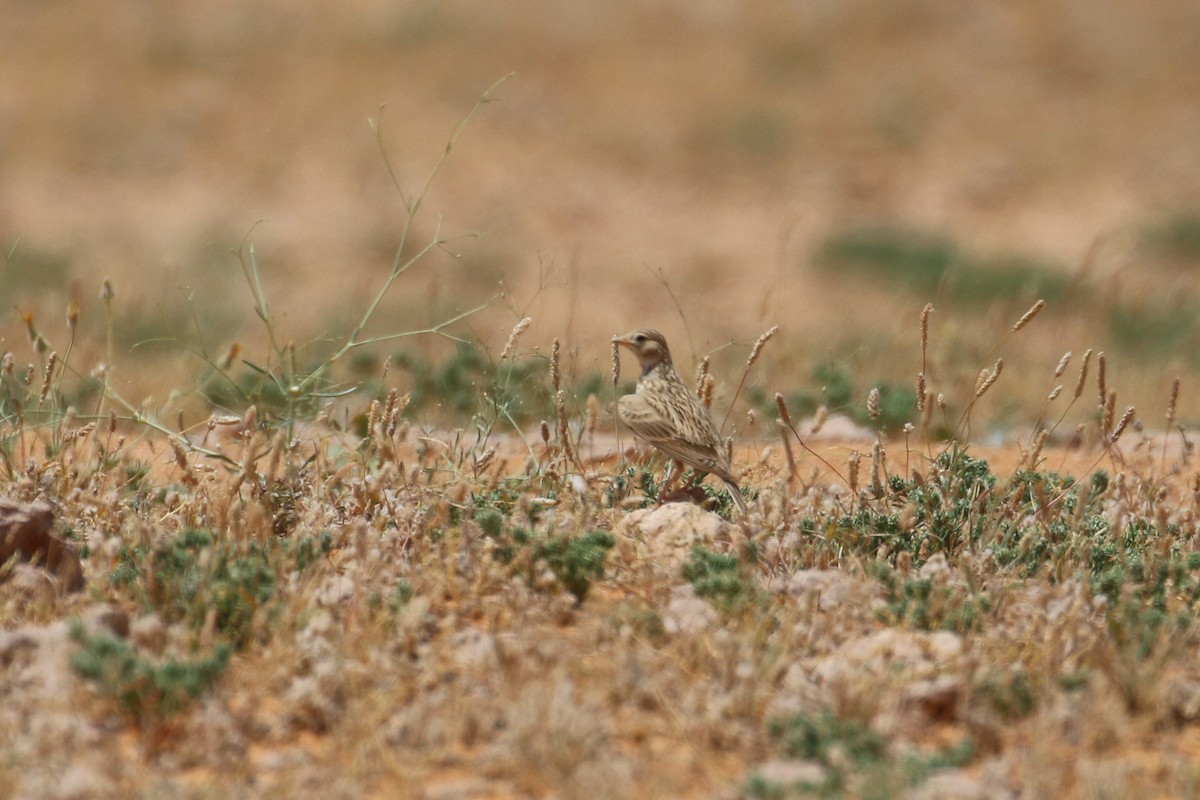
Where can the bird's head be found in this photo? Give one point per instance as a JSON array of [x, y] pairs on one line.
[[648, 345]]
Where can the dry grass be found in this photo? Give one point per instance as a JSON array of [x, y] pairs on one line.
[[414, 612]]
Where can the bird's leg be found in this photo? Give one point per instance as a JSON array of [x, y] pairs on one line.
[[674, 470]]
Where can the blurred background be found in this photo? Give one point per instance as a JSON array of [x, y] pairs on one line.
[[707, 167]]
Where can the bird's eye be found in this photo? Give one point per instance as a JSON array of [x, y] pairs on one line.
[[640, 338]]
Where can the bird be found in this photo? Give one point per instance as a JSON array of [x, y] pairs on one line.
[[666, 413]]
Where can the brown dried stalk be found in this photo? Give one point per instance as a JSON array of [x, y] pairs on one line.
[[818, 420], [781, 406], [1172, 402], [1062, 364], [706, 392], [1125, 419], [758, 345], [925, 312], [992, 375], [616, 364], [564, 431], [46, 378], [555, 372], [1083, 372], [1035, 454], [787, 449], [517, 330], [1028, 316], [701, 375]]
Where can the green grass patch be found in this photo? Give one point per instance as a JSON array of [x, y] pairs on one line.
[[148, 690], [934, 266]]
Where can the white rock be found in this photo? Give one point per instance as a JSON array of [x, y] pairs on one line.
[[686, 612], [788, 774]]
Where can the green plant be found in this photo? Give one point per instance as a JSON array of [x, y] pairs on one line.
[[188, 576], [719, 578], [931, 265], [577, 561], [147, 690]]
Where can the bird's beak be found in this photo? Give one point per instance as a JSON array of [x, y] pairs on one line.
[[622, 340]]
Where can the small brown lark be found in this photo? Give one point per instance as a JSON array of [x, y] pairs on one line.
[[668, 415]]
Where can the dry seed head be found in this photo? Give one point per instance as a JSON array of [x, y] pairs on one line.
[[372, 418], [1125, 419], [706, 395], [593, 413], [751, 417], [873, 403], [921, 392], [72, 315], [555, 373], [784, 434], [1054, 393], [389, 407], [1083, 371], [781, 406], [112, 420], [7, 364], [729, 448], [517, 330], [616, 363], [997, 368], [46, 378], [941, 401], [980, 378], [1102, 377], [1171, 403], [1062, 364], [564, 431], [758, 346], [397, 404], [1106, 413], [853, 465], [189, 479], [819, 418], [925, 312], [701, 374], [927, 416], [1025, 319], [545, 431], [1035, 455], [877, 456]]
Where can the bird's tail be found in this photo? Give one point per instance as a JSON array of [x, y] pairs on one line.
[[736, 494]]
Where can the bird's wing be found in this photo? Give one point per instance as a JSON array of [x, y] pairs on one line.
[[656, 426], [645, 419]]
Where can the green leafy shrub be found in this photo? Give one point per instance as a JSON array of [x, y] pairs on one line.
[[186, 575], [148, 690], [719, 578], [932, 265], [577, 561]]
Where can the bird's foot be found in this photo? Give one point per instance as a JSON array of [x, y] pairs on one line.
[[690, 494]]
